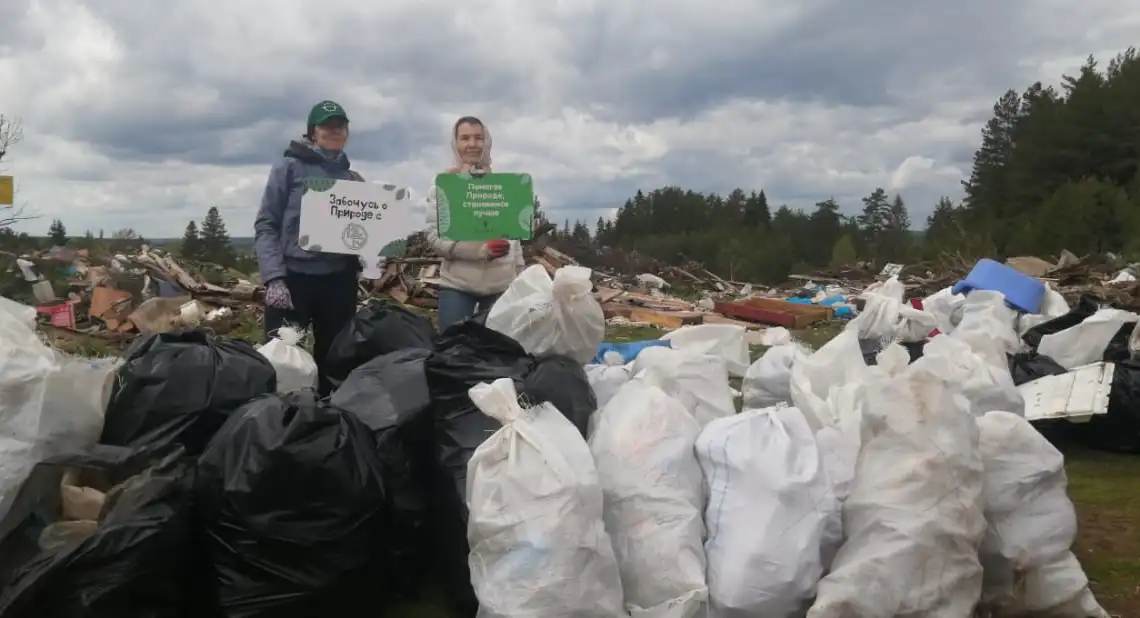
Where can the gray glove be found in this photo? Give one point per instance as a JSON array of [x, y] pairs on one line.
[[277, 295]]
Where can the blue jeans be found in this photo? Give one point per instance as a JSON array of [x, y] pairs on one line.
[[456, 306]]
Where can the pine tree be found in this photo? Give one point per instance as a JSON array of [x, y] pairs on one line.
[[580, 232], [843, 253], [896, 235], [58, 233], [874, 219], [215, 241], [191, 242], [756, 211]]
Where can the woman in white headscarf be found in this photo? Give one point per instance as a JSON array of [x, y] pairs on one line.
[[473, 274]]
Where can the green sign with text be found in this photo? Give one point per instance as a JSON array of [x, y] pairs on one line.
[[487, 207]]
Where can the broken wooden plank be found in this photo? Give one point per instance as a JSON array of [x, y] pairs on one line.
[[550, 268], [774, 317], [716, 318], [665, 319], [605, 295], [558, 256], [776, 304]]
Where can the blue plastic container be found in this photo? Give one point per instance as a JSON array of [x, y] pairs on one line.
[[1021, 291], [840, 312], [629, 349]]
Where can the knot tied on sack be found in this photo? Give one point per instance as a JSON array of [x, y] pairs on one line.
[[290, 335]]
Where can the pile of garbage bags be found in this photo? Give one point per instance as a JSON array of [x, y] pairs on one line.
[[496, 466]]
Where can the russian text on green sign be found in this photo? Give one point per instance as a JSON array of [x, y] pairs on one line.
[[487, 207]]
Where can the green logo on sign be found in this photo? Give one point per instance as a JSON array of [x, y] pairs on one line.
[[479, 208]]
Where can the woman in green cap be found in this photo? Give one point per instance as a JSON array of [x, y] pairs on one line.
[[309, 290]]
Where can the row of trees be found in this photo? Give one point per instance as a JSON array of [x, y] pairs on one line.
[[741, 236], [209, 242], [123, 240], [1056, 169]]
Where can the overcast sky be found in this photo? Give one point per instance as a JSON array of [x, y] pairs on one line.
[[145, 113]]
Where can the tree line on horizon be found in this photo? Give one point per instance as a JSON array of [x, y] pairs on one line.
[[1057, 168]]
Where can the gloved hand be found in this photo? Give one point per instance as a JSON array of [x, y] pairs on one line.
[[277, 295], [497, 248]]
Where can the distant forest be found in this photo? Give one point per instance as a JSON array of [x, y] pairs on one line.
[[1056, 169]]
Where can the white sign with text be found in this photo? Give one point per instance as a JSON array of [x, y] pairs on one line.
[[357, 218]]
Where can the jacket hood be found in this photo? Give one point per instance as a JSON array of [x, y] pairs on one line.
[[309, 153]]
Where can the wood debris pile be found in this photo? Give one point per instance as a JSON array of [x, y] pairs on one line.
[[118, 297], [112, 300], [625, 296]]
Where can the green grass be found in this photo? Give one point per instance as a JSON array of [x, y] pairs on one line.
[[1103, 488]]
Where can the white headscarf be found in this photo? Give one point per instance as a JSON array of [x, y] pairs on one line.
[[484, 161]]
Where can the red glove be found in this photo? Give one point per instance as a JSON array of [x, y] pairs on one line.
[[497, 248]]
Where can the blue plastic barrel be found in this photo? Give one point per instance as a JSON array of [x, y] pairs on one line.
[[1021, 291]]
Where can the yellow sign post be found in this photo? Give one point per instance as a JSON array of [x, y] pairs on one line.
[[7, 190]]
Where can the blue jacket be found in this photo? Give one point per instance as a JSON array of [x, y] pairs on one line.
[[278, 223]]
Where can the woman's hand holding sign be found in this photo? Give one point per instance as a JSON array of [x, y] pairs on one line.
[[492, 249], [497, 248]]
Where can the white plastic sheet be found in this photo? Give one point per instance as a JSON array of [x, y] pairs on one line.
[[989, 326], [886, 317], [769, 512], [913, 521], [698, 381], [838, 362], [1053, 305], [1030, 569], [559, 316], [295, 367], [724, 340], [768, 381], [642, 443], [1086, 342], [49, 403], [609, 376], [946, 307], [538, 542], [987, 387]]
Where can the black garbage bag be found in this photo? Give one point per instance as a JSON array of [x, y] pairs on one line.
[[1115, 351], [465, 355], [1028, 366], [1118, 429], [1086, 306], [136, 560], [480, 317], [377, 329], [562, 382], [291, 498], [390, 395], [180, 387]]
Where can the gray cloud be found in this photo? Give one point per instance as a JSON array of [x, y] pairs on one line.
[[145, 114]]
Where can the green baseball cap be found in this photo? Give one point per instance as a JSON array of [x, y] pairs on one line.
[[325, 110]]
